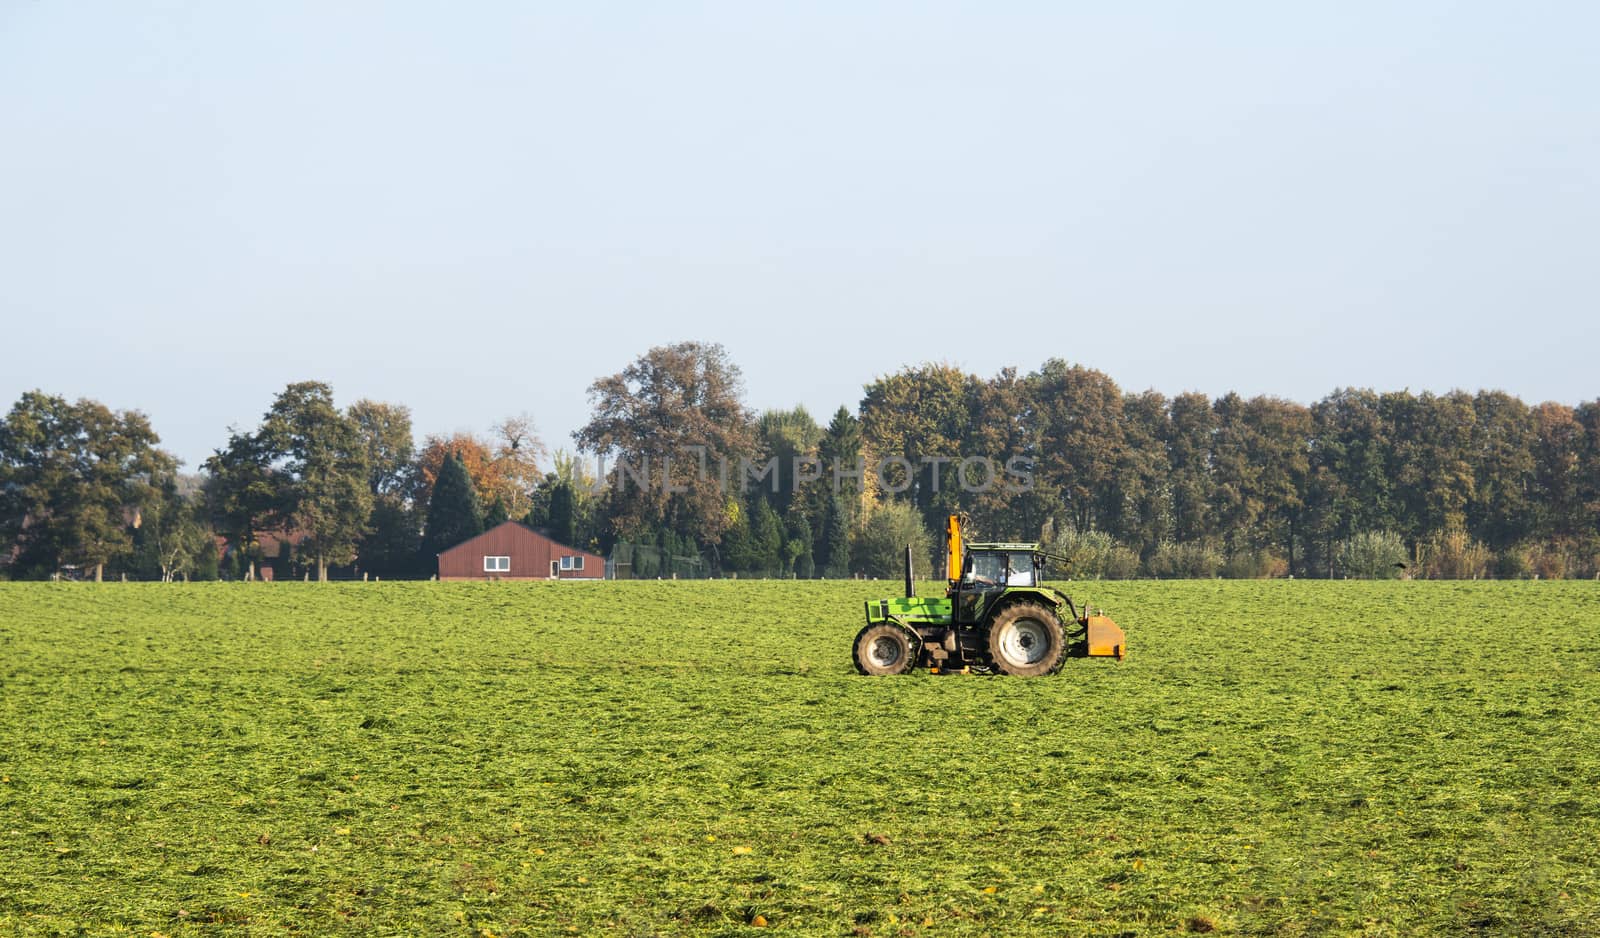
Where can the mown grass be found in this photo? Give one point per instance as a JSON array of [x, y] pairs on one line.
[[1288, 758]]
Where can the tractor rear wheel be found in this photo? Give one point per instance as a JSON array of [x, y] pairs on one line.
[[1026, 640], [885, 648]]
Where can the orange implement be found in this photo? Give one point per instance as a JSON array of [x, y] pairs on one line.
[[1105, 638]]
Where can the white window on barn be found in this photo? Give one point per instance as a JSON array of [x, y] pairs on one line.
[[570, 562], [496, 564]]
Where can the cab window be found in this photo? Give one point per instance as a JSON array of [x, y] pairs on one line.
[[1021, 570], [987, 569]]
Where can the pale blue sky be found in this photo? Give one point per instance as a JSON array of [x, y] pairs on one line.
[[475, 209]]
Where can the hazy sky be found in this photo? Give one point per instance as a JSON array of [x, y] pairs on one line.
[[476, 209]]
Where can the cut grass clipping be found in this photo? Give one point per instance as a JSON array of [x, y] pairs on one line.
[[1286, 758]]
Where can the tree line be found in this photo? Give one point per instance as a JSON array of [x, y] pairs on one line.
[[674, 475]]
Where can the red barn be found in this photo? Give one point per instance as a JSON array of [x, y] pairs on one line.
[[514, 551]]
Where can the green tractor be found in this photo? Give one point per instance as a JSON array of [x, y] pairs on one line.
[[997, 616]]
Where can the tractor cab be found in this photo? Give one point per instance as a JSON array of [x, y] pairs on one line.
[[992, 565], [988, 571]]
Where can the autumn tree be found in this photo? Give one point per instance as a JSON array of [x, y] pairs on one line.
[[504, 469], [1190, 426], [1002, 430], [1077, 413], [919, 419], [519, 453], [477, 460], [1137, 508], [1557, 479], [1502, 455], [1430, 460], [671, 423]]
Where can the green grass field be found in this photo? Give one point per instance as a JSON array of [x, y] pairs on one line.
[[1287, 758]]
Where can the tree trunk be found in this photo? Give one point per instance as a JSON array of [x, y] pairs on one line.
[[99, 568], [322, 569]]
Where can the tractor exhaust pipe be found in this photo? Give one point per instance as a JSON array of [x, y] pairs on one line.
[[911, 591]]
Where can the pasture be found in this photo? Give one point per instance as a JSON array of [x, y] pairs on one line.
[[674, 758]]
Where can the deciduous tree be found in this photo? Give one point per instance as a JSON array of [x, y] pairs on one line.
[[659, 416], [72, 478], [319, 469]]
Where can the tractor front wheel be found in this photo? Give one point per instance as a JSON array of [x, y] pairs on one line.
[[885, 648], [1026, 640]]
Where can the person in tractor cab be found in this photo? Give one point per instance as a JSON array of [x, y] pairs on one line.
[[986, 569]]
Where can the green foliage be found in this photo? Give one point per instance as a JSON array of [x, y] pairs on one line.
[[667, 402], [662, 555], [920, 415], [72, 475], [736, 552], [385, 433], [422, 759], [454, 514], [1452, 554], [563, 513], [840, 447], [1192, 561], [787, 435], [495, 514], [284, 566], [206, 563], [797, 557], [390, 549], [1078, 415], [753, 542], [563, 504], [1246, 564], [1474, 484], [323, 473], [879, 546], [1372, 555], [241, 497], [1186, 437], [1095, 555], [766, 538], [836, 539], [171, 539]]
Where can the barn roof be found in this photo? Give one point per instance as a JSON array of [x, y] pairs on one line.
[[519, 528]]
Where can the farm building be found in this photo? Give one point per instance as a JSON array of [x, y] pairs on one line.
[[273, 547], [513, 551]]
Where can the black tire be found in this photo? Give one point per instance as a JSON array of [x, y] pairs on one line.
[[1026, 640], [885, 648]]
